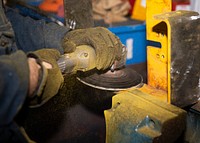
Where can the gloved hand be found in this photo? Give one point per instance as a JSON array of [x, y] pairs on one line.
[[51, 78], [107, 46]]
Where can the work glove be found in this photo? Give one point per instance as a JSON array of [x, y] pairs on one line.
[[50, 80], [107, 46]]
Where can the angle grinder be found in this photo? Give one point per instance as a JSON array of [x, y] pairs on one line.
[[96, 88], [83, 59]]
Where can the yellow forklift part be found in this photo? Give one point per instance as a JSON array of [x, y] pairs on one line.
[[137, 117]]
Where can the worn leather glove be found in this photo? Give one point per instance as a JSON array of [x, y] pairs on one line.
[[50, 80], [107, 46]]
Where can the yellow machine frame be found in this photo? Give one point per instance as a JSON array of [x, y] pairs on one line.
[[158, 59]]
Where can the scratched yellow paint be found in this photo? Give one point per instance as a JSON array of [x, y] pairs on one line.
[[158, 59]]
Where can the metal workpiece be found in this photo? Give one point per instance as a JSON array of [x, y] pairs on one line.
[[185, 63], [137, 117]]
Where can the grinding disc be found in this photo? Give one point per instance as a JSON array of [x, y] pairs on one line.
[[114, 81]]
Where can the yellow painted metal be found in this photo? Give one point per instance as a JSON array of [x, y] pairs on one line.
[[158, 59], [139, 10], [131, 107], [159, 94]]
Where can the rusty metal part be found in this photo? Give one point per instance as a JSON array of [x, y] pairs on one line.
[[112, 81], [185, 63], [138, 117]]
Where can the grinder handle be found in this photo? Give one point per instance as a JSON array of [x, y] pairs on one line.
[[82, 59]]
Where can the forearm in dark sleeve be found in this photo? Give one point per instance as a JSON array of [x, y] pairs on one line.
[[33, 34], [14, 82]]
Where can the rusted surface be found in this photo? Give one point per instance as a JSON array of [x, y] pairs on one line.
[[137, 117], [185, 63]]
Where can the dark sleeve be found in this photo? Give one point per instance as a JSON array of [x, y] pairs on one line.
[[33, 34], [14, 81]]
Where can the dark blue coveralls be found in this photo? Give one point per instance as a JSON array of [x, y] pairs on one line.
[[30, 35]]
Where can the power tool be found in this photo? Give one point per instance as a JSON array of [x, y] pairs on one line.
[[82, 59], [117, 77]]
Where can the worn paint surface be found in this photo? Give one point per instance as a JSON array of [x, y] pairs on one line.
[[157, 57], [159, 94], [137, 117]]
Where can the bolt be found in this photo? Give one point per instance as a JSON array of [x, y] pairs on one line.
[[85, 54]]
